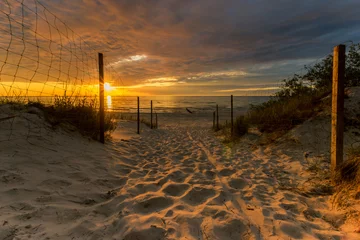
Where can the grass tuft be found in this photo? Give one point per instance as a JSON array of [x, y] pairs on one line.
[[80, 113], [349, 171]]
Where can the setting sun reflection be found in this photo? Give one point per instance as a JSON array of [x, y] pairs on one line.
[[109, 102]]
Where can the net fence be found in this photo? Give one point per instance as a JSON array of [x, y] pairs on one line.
[[42, 57]]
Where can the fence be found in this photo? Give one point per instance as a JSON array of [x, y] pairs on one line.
[[333, 129], [42, 59]]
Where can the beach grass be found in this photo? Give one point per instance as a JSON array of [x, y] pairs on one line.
[[80, 113]]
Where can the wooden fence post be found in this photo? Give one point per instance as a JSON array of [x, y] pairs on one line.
[[232, 115], [217, 117], [337, 113], [151, 112], [138, 115], [102, 100]]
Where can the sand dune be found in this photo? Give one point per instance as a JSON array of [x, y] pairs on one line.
[[177, 182]]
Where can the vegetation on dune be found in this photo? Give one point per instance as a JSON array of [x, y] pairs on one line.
[[241, 126], [80, 113], [300, 96]]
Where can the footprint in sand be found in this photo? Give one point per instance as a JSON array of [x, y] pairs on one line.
[[234, 229], [210, 175], [153, 205], [198, 195], [137, 174], [290, 207], [143, 188], [238, 183], [176, 189], [177, 176], [291, 230], [227, 172]]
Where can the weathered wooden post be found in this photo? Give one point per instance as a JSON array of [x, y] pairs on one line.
[[138, 115], [151, 118], [217, 117], [214, 120], [102, 100], [232, 115], [337, 113]]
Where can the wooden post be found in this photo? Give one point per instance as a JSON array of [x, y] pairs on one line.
[[217, 117], [151, 118], [232, 115], [102, 100], [138, 115], [337, 113], [214, 120]]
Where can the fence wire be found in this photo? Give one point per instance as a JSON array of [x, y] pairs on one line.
[[40, 56]]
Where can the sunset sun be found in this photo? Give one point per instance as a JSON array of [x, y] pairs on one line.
[[108, 87]]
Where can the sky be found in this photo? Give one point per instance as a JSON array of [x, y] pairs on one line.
[[208, 47]]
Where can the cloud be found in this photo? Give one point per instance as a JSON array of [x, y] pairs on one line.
[[207, 42]]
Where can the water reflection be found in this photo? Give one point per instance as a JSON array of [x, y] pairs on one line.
[[109, 102]]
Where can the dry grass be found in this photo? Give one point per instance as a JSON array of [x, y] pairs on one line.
[[349, 171], [283, 114], [80, 113], [347, 191]]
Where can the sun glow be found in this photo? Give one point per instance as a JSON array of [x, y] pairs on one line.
[[108, 87]]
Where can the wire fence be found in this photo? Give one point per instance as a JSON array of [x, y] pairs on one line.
[[42, 57], [41, 60]]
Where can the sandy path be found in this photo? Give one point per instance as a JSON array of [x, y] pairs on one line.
[[194, 187], [177, 182]]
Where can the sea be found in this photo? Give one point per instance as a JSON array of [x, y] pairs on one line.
[[181, 104], [173, 104]]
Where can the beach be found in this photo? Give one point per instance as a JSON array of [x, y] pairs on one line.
[[176, 182], [179, 181]]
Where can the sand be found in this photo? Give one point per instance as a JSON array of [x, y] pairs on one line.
[[177, 182]]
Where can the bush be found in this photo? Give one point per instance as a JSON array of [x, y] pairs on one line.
[[241, 126]]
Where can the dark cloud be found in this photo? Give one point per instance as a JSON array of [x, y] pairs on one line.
[[186, 37]]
